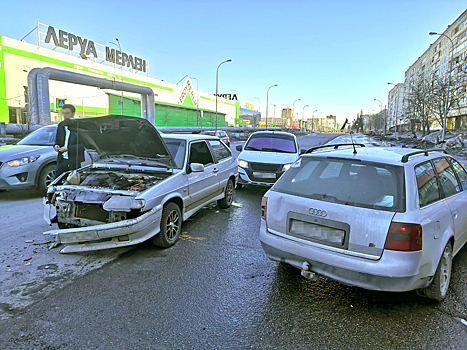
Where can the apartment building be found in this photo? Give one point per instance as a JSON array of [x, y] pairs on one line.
[[434, 66]]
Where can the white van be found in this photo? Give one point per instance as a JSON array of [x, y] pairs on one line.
[[265, 156]]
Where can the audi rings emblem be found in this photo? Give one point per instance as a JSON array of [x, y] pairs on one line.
[[318, 212]]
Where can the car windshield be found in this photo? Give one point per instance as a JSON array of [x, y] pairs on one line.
[[177, 150], [360, 184], [271, 143], [41, 137]]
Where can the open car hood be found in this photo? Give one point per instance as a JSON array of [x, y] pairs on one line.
[[114, 135]]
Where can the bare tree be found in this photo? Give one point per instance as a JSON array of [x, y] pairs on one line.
[[419, 102]]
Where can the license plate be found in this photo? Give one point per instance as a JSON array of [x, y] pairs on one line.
[[313, 231], [264, 175]]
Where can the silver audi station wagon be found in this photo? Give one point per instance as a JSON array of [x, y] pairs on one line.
[[141, 186], [386, 219]]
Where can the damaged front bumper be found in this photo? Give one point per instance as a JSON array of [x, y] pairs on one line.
[[111, 235]]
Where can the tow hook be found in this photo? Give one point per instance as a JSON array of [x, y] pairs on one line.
[[309, 275]]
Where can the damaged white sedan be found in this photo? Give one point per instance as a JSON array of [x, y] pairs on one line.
[[141, 186]]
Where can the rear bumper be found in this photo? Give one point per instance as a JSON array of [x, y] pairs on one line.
[[394, 271], [113, 235]]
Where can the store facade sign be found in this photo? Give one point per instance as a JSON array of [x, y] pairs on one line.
[[87, 47], [231, 97], [188, 94]]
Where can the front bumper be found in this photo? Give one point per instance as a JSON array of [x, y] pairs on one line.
[[394, 271], [113, 235], [246, 178], [17, 177]]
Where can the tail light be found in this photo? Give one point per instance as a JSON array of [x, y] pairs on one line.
[[264, 207], [404, 237]]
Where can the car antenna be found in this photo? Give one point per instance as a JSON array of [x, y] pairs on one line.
[[350, 130]]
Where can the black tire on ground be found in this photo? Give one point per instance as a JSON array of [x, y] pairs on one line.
[[46, 176], [171, 226], [440, 285], [226, 202]]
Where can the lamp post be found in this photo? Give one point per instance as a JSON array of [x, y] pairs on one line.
[[397, 108], [267, 103], [259, 104], [217, 84], [381, 106], [312, 120], [449, 84], [121, 66], [293, 108], [303, 112]]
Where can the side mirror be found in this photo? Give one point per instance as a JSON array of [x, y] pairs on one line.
[[239, 148], [197, 167]]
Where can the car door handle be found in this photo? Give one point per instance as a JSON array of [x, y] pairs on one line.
[[454, 215], [215, 170]]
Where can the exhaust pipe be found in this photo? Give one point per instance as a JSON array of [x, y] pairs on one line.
[[307, 273]]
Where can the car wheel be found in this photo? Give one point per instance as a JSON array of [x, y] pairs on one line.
[[171, 226], [46, 177], [440, 285], [226, 202]]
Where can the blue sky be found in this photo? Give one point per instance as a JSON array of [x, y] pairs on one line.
[[336, 56]]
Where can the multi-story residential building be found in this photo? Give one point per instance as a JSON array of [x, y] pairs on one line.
[[433, 66], [395, 107]]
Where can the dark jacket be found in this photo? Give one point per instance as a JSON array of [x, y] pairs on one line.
[[75, 148]]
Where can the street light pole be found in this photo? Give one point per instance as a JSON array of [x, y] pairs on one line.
[[397, 108], [381, 107], [267, 103], [303, 112], [121, 67], [259, 103], [313, 120], [217, 84], [449, 84], [293, 108]]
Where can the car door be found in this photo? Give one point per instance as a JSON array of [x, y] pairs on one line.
[[453, 181], [202, 186], [224, 161]]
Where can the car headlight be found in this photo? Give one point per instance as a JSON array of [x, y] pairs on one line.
[[287, 166], [242, 163], [22, 161], [122, 203]]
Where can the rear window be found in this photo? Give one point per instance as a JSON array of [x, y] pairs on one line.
[[271, 143], [361, 184]]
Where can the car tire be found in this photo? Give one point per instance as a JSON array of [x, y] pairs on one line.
[[46, 176], [226, 202], [240, 187], [170, 226], [440, 285]]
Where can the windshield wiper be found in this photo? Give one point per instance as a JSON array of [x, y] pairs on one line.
[[252, 148], [275, 150]]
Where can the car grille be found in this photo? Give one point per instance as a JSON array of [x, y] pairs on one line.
[[266, 167]]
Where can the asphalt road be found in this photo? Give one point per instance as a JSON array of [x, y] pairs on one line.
[[216, 289]]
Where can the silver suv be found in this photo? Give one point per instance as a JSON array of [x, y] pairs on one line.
[[386, 219]]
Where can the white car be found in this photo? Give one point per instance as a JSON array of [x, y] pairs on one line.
[[265, 156], [386, 219]]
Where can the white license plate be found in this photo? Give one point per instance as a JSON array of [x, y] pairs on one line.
[[264, 175], [322, 233]]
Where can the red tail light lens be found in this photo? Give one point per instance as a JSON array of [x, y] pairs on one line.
[[404, 237], [264, 207]]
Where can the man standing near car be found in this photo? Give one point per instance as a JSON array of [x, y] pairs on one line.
[[70, 150]]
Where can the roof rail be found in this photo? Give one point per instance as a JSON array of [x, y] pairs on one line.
[[405, 158], [335, 146]]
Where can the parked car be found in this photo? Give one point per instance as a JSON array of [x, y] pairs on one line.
[[31, 162], [220, 134], [386, 219], [265, 156], [141, 187]]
